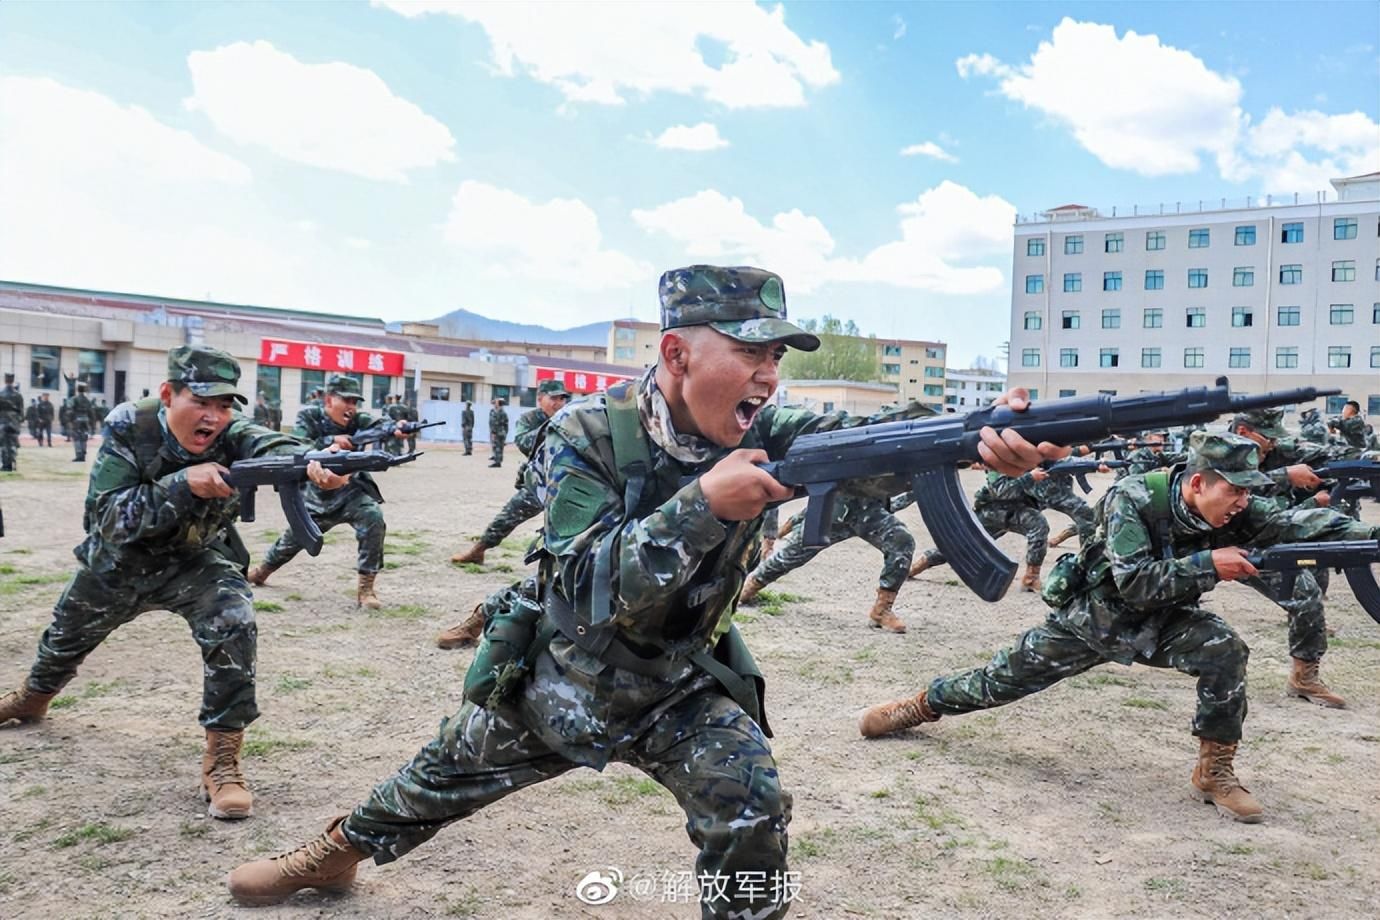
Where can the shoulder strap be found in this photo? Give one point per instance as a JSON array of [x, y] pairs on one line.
[[1158, 483], [148, 436], [634, 462]]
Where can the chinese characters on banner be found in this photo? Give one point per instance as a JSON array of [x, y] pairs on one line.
[[332, 358], [579, 381]]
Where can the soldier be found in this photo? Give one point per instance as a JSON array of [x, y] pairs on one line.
[[1151, 455], [410, 415], [357, 504], [397, 412], [524, 505], [262, 415], [160, 535], [1132, 595], [45, 419], [1312, 427], [498, 432], [1056, 493], [31, 417], [642, 573], [467, 427], [81, 417], [854, 516], [1351, 427], [1005, 504], [11, 416], [275, 415]]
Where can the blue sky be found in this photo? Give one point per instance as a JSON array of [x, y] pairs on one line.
[[546, 163]]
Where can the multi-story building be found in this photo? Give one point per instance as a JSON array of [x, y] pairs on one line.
[[972, 388], [633, 344], [1274, 295], [851, 396]]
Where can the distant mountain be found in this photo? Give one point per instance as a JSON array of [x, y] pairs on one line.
[[462, 324]]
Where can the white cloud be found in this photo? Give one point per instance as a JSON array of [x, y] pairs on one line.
[[333, 116], [599, 52], [700, 137], [557, 240], [928, 149], [898, 31], [945, 228], [358, 242], [1344, 145]]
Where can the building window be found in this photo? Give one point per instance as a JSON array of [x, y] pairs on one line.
[[441, 393], [1291, 274], [1154, 240], [1243, 277], [624, 334], [1375, 314], [1034, 284], [1034, 320], [1291, 233], [934, 389], [380, 387], [1035, 247], [1109, 357], [624, 352], [1344, 270], [1111, 319], [1372, 404], [951, 400], [1035, 394], [1193, 357], [44, 362], [891, 370], [828, 406], [1287, 316], [1112, 242], [1374, 362], [1198, 239], [935, 353], [934, 371], [311, 380], [1344, 228], [1073, 282], [1154, 318], [466, 391], [1241, 316], [1068, 357], [1339, 356], [268, 383], [1197, 277], [1154, 279], [1377, 269], [1071, 319], [1341, 314], [891, 351], [1195, 317], [1239, 357], [1149, 357], [91, 368], [1111, 281], [1030, 357], [1245, 236], [1073, 245], [1286, 357], [1065, 394]]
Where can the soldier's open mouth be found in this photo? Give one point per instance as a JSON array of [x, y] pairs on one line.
[[747, 410]]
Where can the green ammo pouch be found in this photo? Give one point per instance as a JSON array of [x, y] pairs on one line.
[[504, 658], [1065, 581]]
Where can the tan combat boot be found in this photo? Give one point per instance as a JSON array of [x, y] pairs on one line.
[[919, 566], [1215, 781], [1030, 581], [751, 588], [223, 785], [258, 576], [366, 596], [897, 715], [1062, 535], [326, 862], [881, 614], [464, 634], [1305, 684], [474, 554], [24, 705]]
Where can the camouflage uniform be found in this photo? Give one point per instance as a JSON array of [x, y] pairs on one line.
[[1126, 603], [45, 420], [1057, 493], [1144, 459], [1353, 432], [854, 516], [356, 503], [152, 545], [498, 433], [467, 428], [674, 571], [396, 412], [1005, 505], [81, 415], [410, 415], [524, 504], [11, 416], [1312, 427]]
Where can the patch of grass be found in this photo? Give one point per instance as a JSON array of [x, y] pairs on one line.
[[744, 618], [1102, 680], [825, 673], [773, 602], [194, 829], [404, 549], [1166, 887], [266, 745], [22, 551], [99, 832], [294, 597], [400, 612], [516, 545], [32, 830], [1140, 702], [33, 792], [1314, 871], [21, 583], [6, 880], [389, 564], [466, 905], [91, 691], [880, 794], [502, 567], [471, 568], [267, 607], [813, 844], [7, 569], [865, 654], [1073, 893], [272, 534], [1011, 874], [287, 683], [951, 582], [1344, 642], [933, 815], [623, 790], [1238, 849], [331, 671]]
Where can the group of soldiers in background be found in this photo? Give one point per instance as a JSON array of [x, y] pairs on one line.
[[78, 417]]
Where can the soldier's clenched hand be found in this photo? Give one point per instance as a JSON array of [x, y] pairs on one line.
[[1009, 452], [1301, 476], [1231, 564], [737, 490], [205, 481]]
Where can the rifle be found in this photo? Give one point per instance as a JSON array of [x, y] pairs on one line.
[[380, 433], [927, 451], [1118, 448], [287, 473], [1079, 469], [1353, 557], [1355, 478]]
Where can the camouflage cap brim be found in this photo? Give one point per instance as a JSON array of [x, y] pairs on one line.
[[216, 389], [1274, 432], [1246, 479], [768, 330]]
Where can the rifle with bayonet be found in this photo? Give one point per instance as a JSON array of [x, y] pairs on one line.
[[1352, 557]]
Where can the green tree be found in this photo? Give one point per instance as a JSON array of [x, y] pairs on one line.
[[843, 354]]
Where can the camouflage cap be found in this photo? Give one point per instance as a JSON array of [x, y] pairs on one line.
[[745, 303], [1267, 423], [344, 387], [1234, 458], [552, 388], [205, 371]]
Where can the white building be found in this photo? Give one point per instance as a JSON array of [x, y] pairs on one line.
[[1271, 294], [973, 388]]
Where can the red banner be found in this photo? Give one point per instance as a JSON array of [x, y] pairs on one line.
[[334, 358], [581, 381]]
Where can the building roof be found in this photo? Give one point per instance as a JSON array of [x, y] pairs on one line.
[[855, 384], [1070, 207]]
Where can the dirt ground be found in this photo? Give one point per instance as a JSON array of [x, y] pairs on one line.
[[1073, 803]]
